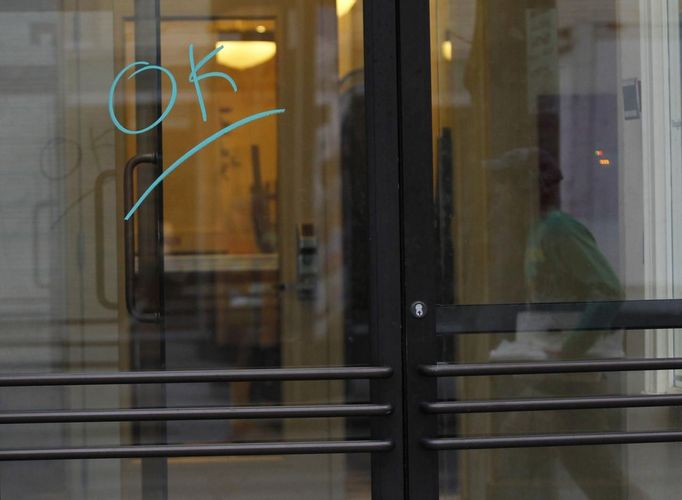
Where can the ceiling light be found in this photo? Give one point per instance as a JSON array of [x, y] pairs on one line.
[[343, 7], [245, 54]]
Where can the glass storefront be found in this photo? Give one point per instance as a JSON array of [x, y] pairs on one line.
[[335, 249]]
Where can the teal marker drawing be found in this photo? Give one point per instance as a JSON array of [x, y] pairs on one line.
[[195, 78], [196, 149], [146, 67]]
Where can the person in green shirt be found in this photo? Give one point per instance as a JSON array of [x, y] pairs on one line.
[[563, 263]]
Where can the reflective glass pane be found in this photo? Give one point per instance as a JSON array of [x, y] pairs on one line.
[[557, 187], [251, 252]]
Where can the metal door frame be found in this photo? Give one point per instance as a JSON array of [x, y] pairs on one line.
[[383, 163], [417, 243]]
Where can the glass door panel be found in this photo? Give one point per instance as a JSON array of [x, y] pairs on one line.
[[256, 271], [59, 294], [250, 255], [557, 171]]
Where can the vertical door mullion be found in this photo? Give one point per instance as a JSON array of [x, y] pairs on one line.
[[388, 478], [418, 244], [147, 338]]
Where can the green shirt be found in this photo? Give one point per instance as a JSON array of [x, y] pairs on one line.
[[564, 264]]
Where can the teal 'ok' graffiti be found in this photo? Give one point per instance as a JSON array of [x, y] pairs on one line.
[[194, 78]]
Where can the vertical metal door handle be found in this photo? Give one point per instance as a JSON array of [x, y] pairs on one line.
[[37, 211], [100, 257], [129, 238]]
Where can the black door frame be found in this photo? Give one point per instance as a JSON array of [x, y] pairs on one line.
[[385, 283], [418, 243], [388, 429]]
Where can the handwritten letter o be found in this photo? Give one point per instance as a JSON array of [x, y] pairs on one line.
[[145, 67]]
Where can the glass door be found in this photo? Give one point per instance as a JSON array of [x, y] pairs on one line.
[[547, 363], [190, 295]]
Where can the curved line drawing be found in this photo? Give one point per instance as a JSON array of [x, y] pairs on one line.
[[55, 143], [145, 67], [212, 138]]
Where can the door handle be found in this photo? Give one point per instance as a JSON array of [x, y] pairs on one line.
[[37, 211], [99, 240], [307, 265], [129, 239]]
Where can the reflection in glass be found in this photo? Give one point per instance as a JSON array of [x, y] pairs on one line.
[[263, 237], [557, 180]]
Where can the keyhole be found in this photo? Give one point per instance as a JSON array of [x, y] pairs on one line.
[[418, 309]]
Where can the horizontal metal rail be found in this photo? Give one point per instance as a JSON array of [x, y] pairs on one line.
[[204, 450], [529, 368], [184, 376], [205, 413], [544, 404], [536, 441], [614, 315]]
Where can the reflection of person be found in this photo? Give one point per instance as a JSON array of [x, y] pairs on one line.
[[564, 264]]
